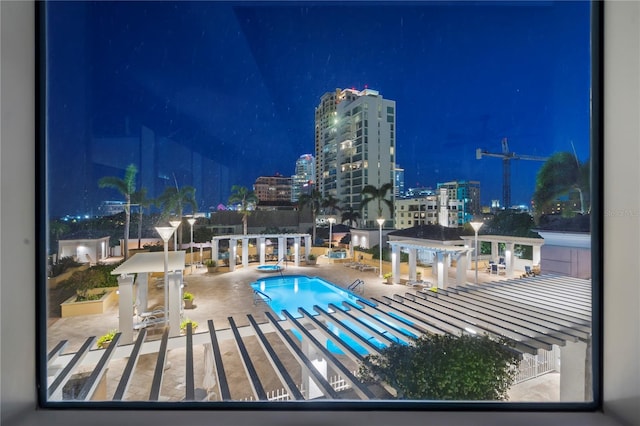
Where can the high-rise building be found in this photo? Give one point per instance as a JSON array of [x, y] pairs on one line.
[[273, 189], [399, 182], [355, 147], [304, 177], [468, 192]]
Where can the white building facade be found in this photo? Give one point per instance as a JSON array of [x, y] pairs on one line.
[[304, 177], [355, 147]]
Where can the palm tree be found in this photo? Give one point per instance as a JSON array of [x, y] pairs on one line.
[[126, 187], [140, 198], [561, 174], [174, 199], [247, 200], [330, 204], [350, 215], [313, 201], [371, 193]]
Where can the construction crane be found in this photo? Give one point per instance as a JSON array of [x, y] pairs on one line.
[[506, 156]]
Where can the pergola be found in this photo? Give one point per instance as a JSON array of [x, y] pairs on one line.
[[261, 239], [141, 265], [443, 254]]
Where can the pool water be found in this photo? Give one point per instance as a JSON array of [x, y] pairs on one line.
[[269, 268], [293, 291]]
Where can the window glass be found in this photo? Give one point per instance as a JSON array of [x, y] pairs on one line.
[[196, 202]]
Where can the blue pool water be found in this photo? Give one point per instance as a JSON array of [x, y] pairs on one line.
[[293, 291], [269, 268], [337, 255]]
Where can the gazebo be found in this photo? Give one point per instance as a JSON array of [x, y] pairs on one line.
[[141, 265]]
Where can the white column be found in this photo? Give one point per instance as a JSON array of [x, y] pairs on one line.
[[313, 391], [446, 262], [245, 252], [494, 251], [125, 308], [412, 263], [536, 255], [142, 292], [214, 249], [573, 371], [282, 248], [307, 247], [175, 302], [440, 269], [509, 259], [462, 266], [296, 251], [395, 264], [263, 248], [233, 248]]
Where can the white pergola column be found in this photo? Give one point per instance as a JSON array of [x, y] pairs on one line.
[[214, 249], [313, 391], [413, 257], [233, 249], [434, 265], [125, 308], [509, 259], [175, 302], [573, 371], [494, 251], [440, 267], [296, 251], [395, 264], [536, 255], [307, 246], [245, 252], [142, 292], [462, 266], [262, 246], [446, 260], [282, 248]]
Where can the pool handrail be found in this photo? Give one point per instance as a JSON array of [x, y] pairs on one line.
[[354, 285], [259, 296]]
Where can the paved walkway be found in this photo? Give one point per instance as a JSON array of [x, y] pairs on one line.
[[221, 295]]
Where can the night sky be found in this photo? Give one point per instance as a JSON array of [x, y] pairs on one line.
[[239, 82]]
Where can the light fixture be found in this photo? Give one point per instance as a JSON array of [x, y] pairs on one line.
[[165, 233], [380, 223], [476, 227], [175, 224], [191, 221]]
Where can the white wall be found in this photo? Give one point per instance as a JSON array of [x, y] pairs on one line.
[[621, 302]]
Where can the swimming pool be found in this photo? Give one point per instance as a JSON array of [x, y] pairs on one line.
[[269, 268], [298, 291]]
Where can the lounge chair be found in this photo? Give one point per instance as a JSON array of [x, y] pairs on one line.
[[417, 283], [364, 268]]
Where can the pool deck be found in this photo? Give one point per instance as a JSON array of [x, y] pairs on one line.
[[218, 296]]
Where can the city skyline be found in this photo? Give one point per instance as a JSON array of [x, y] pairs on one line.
[[237, 84]]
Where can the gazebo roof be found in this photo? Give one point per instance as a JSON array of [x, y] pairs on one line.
[[151, 262]]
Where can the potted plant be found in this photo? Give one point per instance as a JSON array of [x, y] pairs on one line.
[[388, 277], [105, 339], [212, 265], [183, 325], [312, 259], [188, 300]]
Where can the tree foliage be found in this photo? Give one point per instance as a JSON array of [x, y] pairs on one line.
[[314, 202], [445, 367], [379, 195], [247, 200], [560, 175], [126, 186]]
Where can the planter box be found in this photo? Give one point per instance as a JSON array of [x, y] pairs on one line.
[[71, 308]]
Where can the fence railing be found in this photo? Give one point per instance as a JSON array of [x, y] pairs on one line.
[[533, 366], [336, 382]]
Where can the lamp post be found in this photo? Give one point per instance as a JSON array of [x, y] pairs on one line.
[[165, 233], [175, 224], [191, 221], [332, 220], [380, 223], [476, 227]]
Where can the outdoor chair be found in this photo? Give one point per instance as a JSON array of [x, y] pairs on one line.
[[494, 268]]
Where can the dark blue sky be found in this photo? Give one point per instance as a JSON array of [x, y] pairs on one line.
[[238, 83]]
